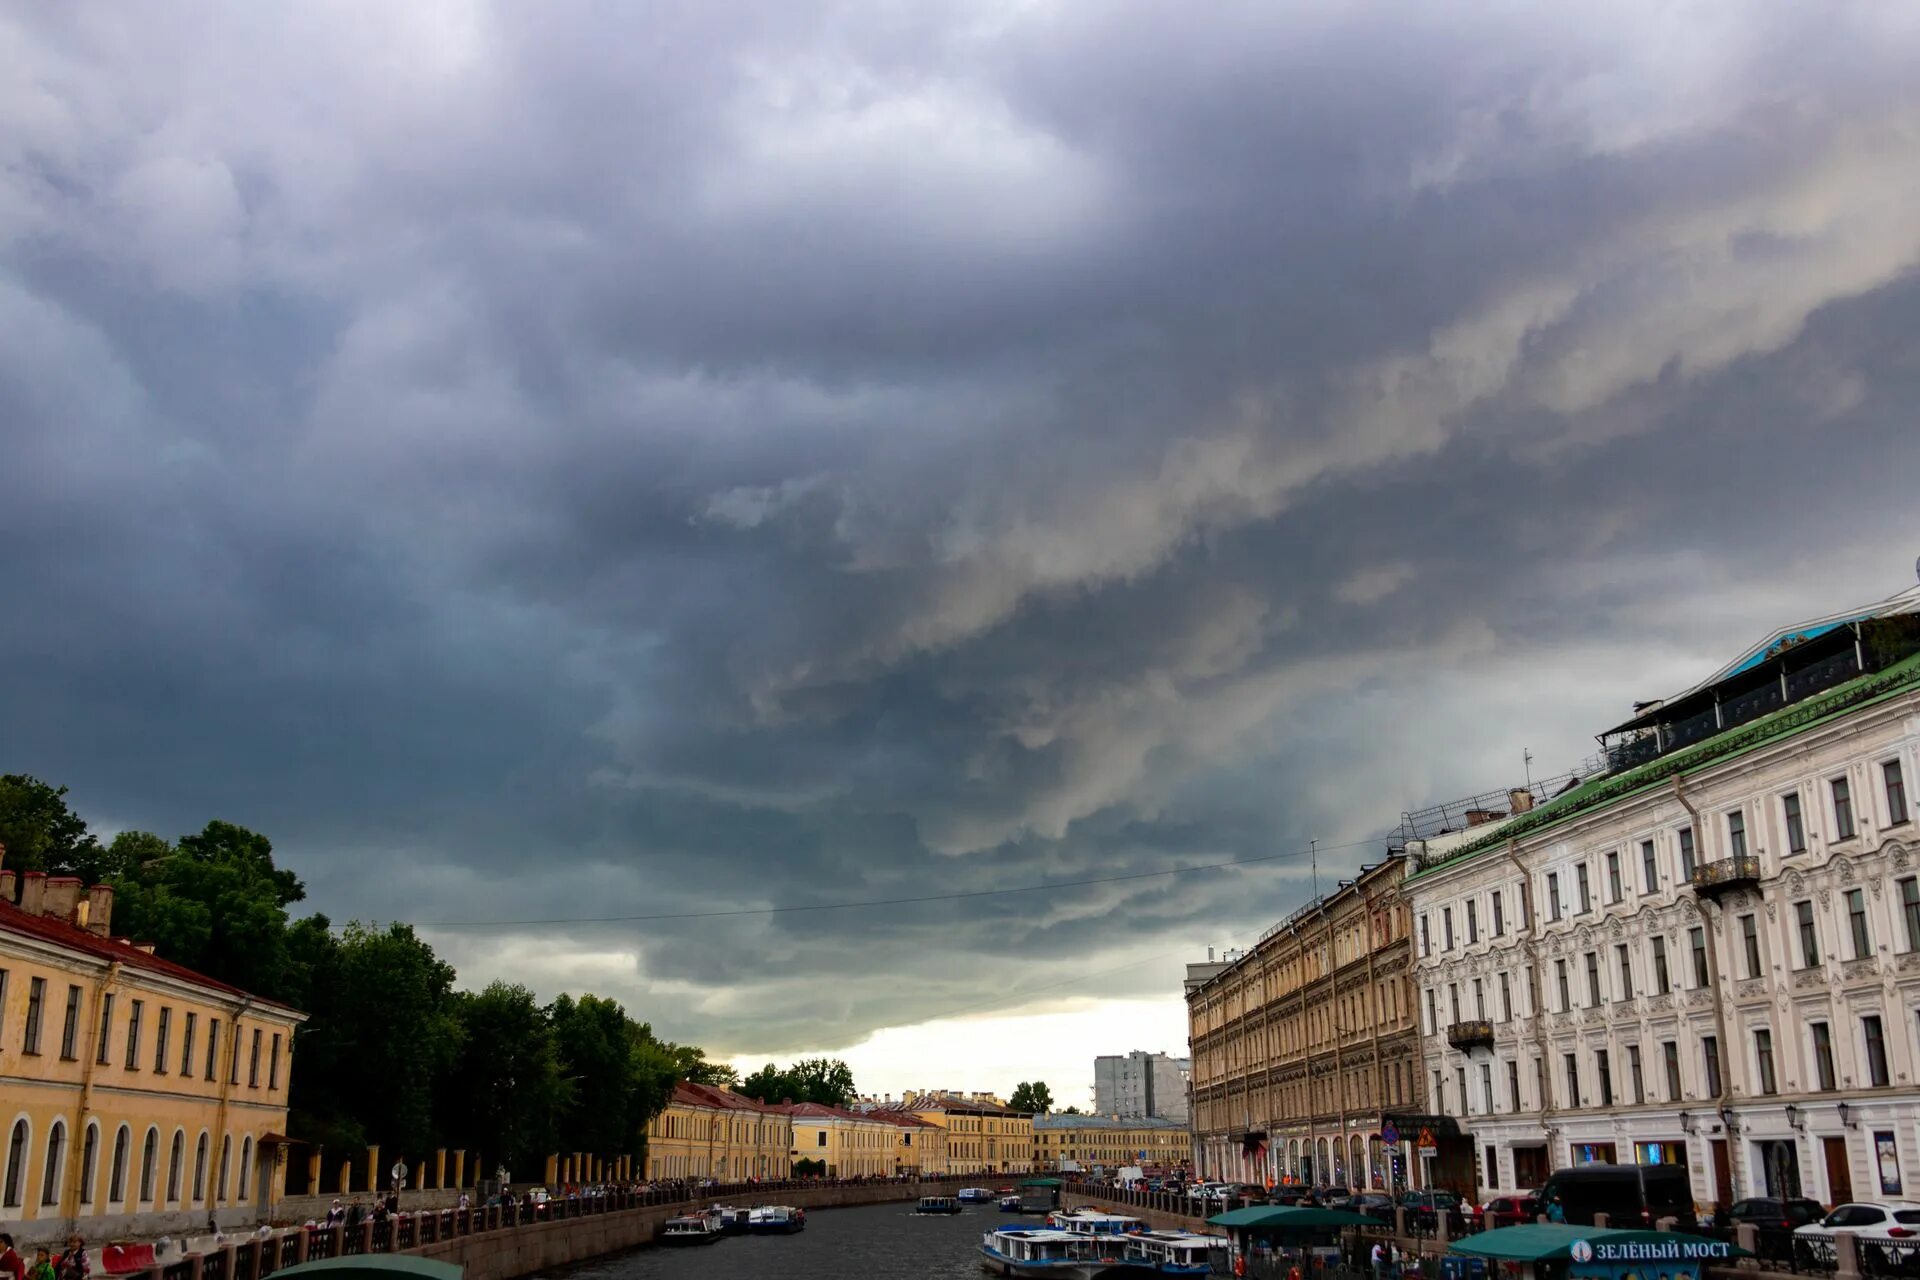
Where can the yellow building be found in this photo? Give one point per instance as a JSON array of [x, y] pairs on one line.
[[983, 1135], [708, 1132], [1109, 1142], [140, 1097], [852, 1144], [922, 1144]]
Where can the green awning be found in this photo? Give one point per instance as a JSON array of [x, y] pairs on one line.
[[1289, 1217], [375, 1266], [1042, 1182], [1543, 1241]]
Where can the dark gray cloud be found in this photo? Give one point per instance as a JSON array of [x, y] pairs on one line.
[[562, 461]]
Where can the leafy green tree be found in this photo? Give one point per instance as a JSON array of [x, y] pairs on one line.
[[1034, 1098], [827, 1081], [1071, 1111], [42, 833], [596, 1043], [383, 1036], [505, 1090]]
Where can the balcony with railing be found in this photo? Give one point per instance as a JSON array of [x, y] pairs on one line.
[[1471, 1034], [1716, 878]]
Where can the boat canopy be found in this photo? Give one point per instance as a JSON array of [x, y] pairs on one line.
[[1288, 1217], [1549, 1241], [376, 1266]]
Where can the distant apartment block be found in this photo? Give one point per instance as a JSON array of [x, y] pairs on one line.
[[1141, 1085]]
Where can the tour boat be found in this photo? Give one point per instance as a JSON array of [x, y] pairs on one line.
[[937, 1204], [694, 1228], [1172, 1253], [975, 1195], [776, 1219], [733, 1221], [1041, 1251], [1092, 1222], [1010, 1204]]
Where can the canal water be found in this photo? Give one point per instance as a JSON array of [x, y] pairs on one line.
[[872, 1242]]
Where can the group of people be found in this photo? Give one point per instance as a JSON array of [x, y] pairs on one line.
[[72, 1263], [352, 1215]]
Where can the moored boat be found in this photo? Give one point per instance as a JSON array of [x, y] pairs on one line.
[[693, 1228], [1010, 1204], [733, 1220], [1037, 1251], [776, 1219], [1172, 1253], [937, 1204], [974, 1195]]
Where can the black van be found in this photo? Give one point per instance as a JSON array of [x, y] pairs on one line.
[[1631, 1195]]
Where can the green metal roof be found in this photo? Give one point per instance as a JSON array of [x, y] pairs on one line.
[[1543, 1241], [376, 1266], [1861, 691]]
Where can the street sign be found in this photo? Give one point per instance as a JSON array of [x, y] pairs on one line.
[[399, 1171], [1390, 1135], [1428, 1145]]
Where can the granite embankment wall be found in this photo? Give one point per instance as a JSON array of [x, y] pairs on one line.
[[511, 1252]]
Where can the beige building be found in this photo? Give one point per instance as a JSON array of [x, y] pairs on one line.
[[711, 1132], [1108, 1142], [923, 1144], [851, 1144], [1707, 952], [1305, 1045], [139, 1097], [983, 1134]]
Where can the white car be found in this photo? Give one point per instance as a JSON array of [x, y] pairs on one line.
[[1867, 1220]]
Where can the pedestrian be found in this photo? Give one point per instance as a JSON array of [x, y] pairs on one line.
[[11, 1263], [1378, 1257], [42, 1268], [336, 1213], [75, 1263]]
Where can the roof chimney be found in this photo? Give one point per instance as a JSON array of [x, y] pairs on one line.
[[7, 879], [61, 899], [100, 910], [1520, 799], [145, 948], [33, 891]]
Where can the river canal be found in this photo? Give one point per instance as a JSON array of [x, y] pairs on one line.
[[872, 1242]]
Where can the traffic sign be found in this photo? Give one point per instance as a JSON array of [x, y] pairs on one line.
[[399, 1171], [1390, 1135]]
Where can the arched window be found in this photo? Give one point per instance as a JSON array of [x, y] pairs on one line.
[[226, 1159], [50, 1176], [200, 1169], [117, 1185], [89, 1161], [176, 1165], [16, 1166], [149, 1166], [246, 1163]]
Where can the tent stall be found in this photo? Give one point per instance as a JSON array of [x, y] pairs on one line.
[[1556, 1251]]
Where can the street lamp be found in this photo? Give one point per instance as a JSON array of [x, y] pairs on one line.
[[1793, 1117], [1846, 1116], [1726, 1118], [1687, 1123]]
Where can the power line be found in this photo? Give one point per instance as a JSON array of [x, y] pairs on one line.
[[884, 902]]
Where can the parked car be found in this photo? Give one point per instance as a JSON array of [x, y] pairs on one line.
[[1504, 1211], [1374, 1204], [1425, 1207], [1776, 1214], [1290, 1195], [1867, 1220], [1631, 1195]]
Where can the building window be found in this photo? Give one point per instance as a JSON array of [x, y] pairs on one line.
[[1697, 943], [1670, 1056], [233, 1065], [1479, 999], [70, 1029], [1661, 983], [1605, 1068], [1433, 1016], [16, 1167], [1453, 999], [1857, 923], [1486, 1087], [133, 1034], [1586, 891], [1809, 935], [1613, 876], [273, 1063], [1553, 895], [176, 1165], [246, 1163], [1896, 792], [1763, 1056], [1842, 809], [1633, 1074], [117, 1183], [1625, 959], [89, 1162], [226, 1161], [1649, 867], [1910, 910], [1573, 1080], [1426, 940], [1737, 833], [213, 1045], [1876, 1051], [1460, 1079], [1446, 926], [1796, 825], [160, 1034], [36, 1002], [1710, 1051], [1513, 1085], [253, 1062], [149, 1166], [1506, 1000], [1823, 1056], [1560, 978], [106, 1028], [1686, 853], [1473, 922], [1593, 980], [199, 1167], [1750, 944], [821, 1138]]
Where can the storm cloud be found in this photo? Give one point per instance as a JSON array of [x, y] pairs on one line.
[[574, 460]]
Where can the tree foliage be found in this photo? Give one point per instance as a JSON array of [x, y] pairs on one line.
[[827, 1081], [391, 1053], [1032, 1097]]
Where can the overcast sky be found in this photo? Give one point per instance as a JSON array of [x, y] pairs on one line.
[[558, 459]]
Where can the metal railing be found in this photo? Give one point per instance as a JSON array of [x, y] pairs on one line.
[[1474, 1031], [1714, 875]]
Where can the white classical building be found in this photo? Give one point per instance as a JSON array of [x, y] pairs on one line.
[[1709, 953]]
